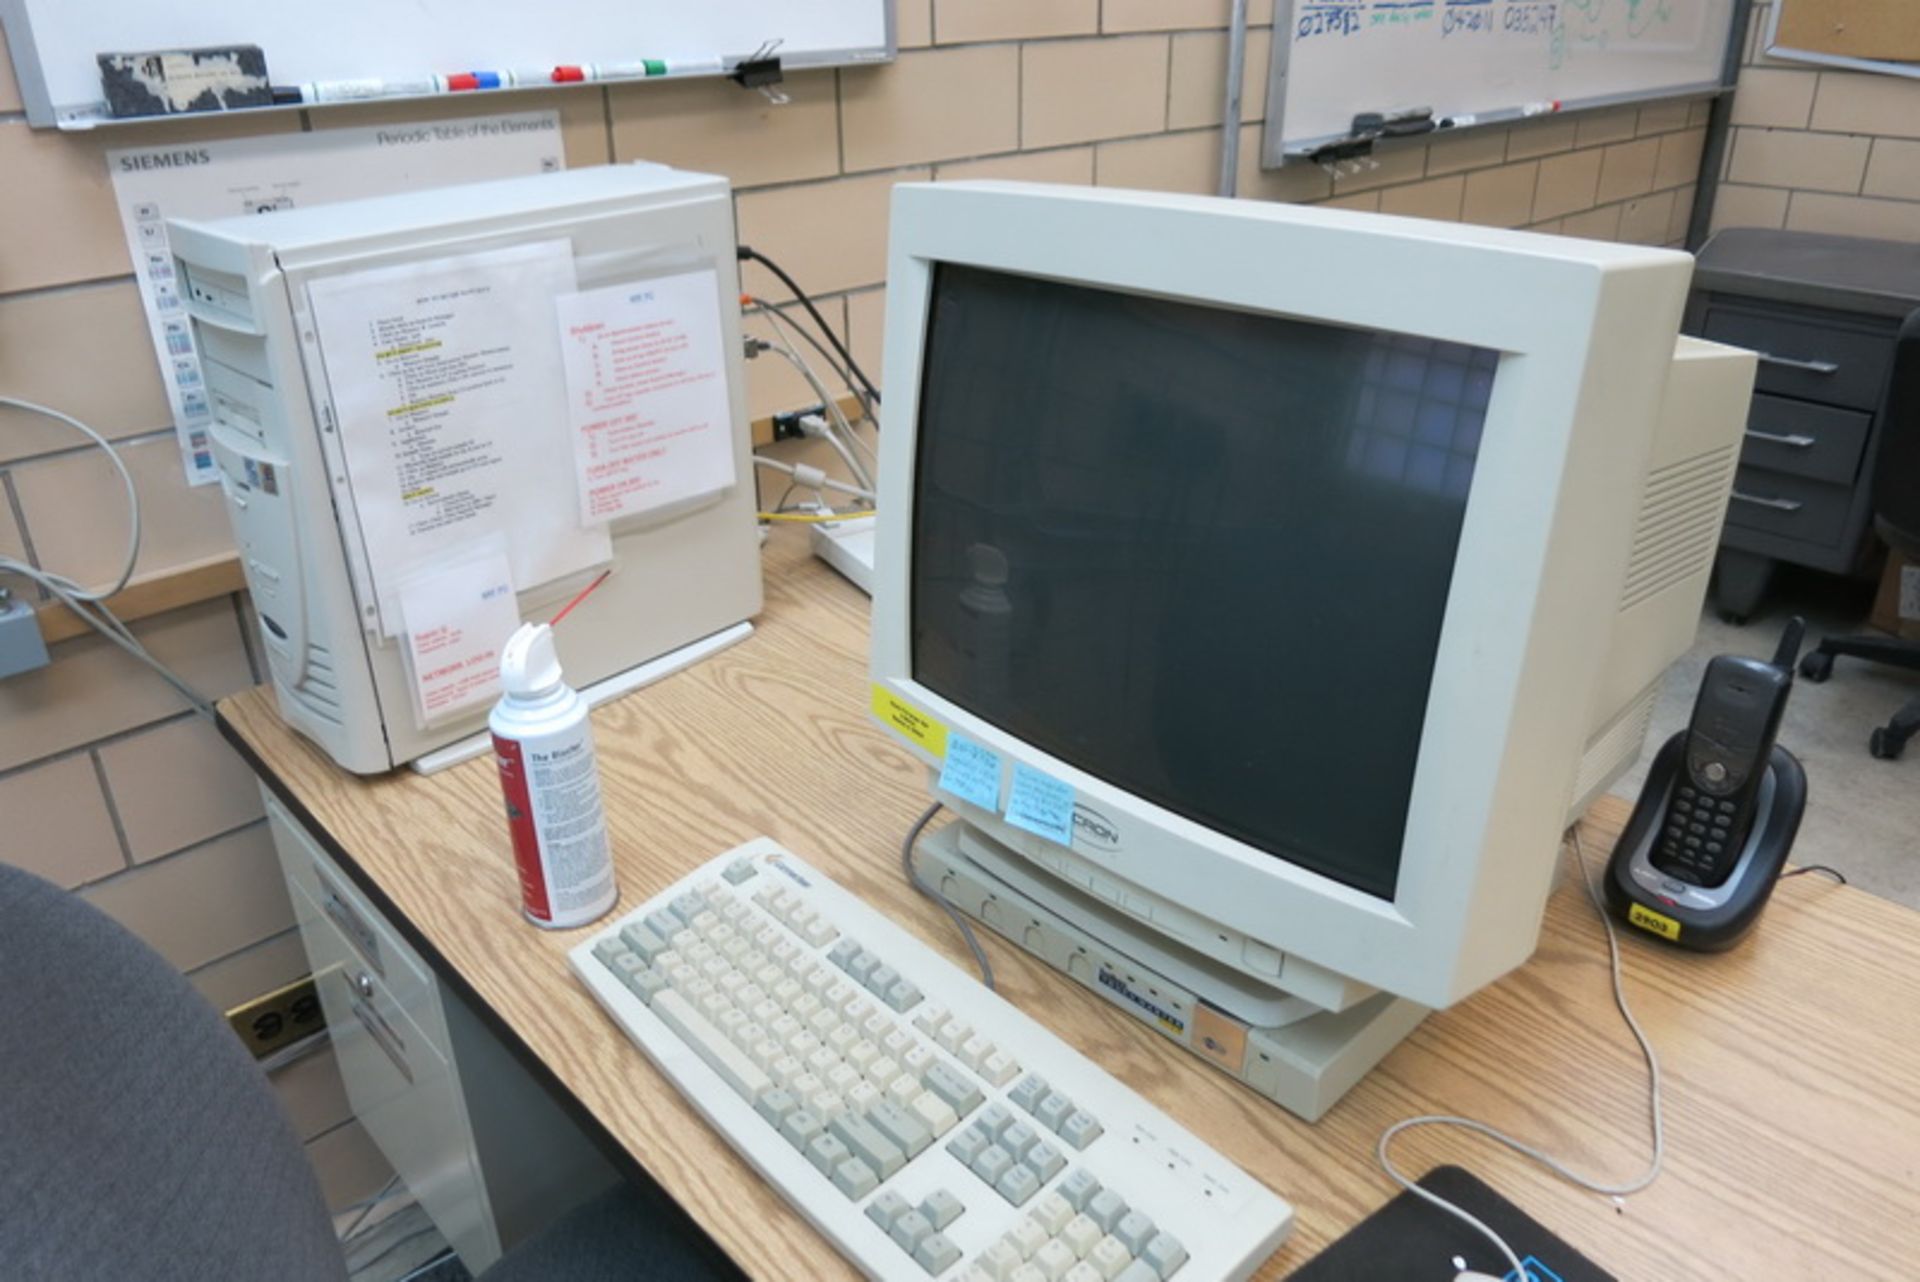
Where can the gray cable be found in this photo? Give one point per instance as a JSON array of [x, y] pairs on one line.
[[366, 1208], [90, 604], [95, 614], [966, 930], [133, 509], [1527, 1150], [829, 404], [778, 465], [831, 415]]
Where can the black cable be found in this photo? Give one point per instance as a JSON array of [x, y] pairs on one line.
[[1804, 869], [749, 254]]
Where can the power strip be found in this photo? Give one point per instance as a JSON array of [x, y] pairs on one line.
[[847, 546]]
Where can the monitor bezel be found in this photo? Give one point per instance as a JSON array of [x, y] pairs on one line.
[[1586, 334]]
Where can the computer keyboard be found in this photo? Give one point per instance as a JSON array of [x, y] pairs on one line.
[[921, 1122]]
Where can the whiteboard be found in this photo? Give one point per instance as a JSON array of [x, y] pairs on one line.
[[1481, 61], [54, 42]]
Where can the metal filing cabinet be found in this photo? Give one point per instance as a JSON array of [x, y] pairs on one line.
[[1822, 312], [488, 1154]]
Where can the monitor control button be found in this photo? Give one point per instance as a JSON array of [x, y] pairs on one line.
[[1258, 957]]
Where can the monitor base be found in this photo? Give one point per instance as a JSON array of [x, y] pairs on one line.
[[1304, 1064]]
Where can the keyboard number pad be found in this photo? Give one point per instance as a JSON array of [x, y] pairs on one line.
[[1083, 1231]]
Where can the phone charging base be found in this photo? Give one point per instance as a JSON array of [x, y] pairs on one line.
[[1705, 918]]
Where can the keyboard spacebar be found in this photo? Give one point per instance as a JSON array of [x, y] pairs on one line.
[[721, 1055]]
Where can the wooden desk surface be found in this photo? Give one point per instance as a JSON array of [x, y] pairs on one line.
[[1792, 1063]]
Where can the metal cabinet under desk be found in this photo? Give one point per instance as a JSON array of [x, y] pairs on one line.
[[488, 1155], [1823, 312]]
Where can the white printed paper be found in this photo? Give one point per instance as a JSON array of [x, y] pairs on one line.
[[447, 388], [458, 619], [233, 176], [647, 394]]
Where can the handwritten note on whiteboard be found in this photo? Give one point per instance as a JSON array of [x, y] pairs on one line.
[[446, 380], [647, 394]]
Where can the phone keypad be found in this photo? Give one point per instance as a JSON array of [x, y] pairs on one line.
[[1698, 834]]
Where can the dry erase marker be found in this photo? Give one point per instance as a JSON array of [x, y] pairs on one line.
[[356, 90], [626, 70], [1540, 108], [469, 81], [1459, 122]]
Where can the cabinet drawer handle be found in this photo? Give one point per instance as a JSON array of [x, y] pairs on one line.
[[1778, 505], [384, 1037], [1795, 441], [1805, 367]]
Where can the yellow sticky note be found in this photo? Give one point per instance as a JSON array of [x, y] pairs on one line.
[[1660, 924], [909, 721]]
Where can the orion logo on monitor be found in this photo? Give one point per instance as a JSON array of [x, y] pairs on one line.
[[1094, 828]]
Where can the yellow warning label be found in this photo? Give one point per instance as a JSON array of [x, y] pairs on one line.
[[909, 721], [1660, 924]]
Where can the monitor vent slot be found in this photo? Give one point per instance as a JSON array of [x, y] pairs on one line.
[[319, 690], [1613, 749], [1679, 523]]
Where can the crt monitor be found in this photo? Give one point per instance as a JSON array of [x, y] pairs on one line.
[[1263, 561]]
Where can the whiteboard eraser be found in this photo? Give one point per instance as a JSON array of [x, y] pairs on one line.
[[169, 82]]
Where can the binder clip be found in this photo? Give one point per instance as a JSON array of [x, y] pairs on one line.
[[1355, 151], [761, 70]]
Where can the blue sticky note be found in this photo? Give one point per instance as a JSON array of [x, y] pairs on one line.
[[971, 773], [1041, 804]]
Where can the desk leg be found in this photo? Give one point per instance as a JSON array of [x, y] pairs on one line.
[[1740, 580]]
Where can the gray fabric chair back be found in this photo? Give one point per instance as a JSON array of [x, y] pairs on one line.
[[138, 1140]]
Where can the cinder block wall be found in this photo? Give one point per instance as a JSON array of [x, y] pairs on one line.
[[108, 785], [1821, 150]]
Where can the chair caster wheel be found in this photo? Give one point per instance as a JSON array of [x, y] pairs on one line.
[[1885, 746], [1816, 667]]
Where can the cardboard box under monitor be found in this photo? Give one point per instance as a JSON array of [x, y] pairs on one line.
[[1888, 30]]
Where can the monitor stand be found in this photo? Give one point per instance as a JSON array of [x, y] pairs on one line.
[[1301, 1055]]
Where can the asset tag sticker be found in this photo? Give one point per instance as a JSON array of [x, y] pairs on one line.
[[909, 720], [1658, 923]]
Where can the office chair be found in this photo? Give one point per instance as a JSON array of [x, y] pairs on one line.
[[139, 1140], [1896, 513]]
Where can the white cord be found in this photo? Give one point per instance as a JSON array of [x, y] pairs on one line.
[[788, 329], [1527, 1150], [133, 509], [834, 419], [776, 465], [89, 605]]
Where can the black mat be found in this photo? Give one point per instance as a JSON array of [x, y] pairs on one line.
[[1411, 1240]]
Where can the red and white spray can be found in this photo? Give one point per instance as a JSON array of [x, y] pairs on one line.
[[543, 742]]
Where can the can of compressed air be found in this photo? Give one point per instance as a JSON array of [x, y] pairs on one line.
[[543, 743]]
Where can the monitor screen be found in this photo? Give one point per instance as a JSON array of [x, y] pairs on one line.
[[1200, 554]]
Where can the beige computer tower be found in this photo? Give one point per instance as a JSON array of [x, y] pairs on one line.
[[684, 578]]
